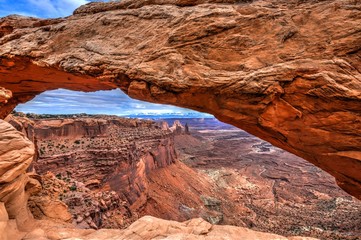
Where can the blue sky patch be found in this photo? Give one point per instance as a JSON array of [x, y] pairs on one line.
[[40, 8]]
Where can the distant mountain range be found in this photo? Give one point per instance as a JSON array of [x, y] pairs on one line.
[[155, 116], [170, 115]]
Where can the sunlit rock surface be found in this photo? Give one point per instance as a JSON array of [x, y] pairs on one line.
[[16, 154], [285, 71], [149, 227]]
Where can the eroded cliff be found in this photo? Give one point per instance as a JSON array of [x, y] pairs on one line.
[[16, 154], [17, 222], [285, 71], [102, 153]]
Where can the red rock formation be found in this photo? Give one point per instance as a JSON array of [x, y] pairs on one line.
[[15, 187], [103, 152], [16, 154], [69, 200], [135, 158], [285, 71], [177, 127]]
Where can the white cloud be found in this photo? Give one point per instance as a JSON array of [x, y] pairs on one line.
[[139, 106], [57, 8]]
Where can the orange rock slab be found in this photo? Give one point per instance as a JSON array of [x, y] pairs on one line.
[[288, 72]]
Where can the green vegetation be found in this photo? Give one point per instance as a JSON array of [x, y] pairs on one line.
[[72, 188]]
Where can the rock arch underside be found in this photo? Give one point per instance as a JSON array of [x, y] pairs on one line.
[[288, 72]]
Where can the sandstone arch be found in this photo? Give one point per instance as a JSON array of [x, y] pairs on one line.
[[286, 71]]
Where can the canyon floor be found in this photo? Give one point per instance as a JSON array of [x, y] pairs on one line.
[[265, 188]]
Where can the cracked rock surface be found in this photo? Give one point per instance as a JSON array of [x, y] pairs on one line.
[[285, 71]]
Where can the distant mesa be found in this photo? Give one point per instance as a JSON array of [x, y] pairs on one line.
[[178, 128]]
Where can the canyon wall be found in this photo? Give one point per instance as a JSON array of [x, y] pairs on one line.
[[106, 171], [16, 222], [285, 71], [102, 152]]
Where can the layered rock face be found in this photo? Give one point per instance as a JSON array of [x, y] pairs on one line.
[[285, 71], [102, 152], [110, 171]]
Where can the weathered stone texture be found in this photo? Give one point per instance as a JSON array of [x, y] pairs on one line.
[[285, 71]]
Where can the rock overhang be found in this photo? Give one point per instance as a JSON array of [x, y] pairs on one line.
[[284, 71]]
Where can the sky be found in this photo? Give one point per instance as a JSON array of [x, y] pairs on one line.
[[40, 8], [63, 101], [113, 102]]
